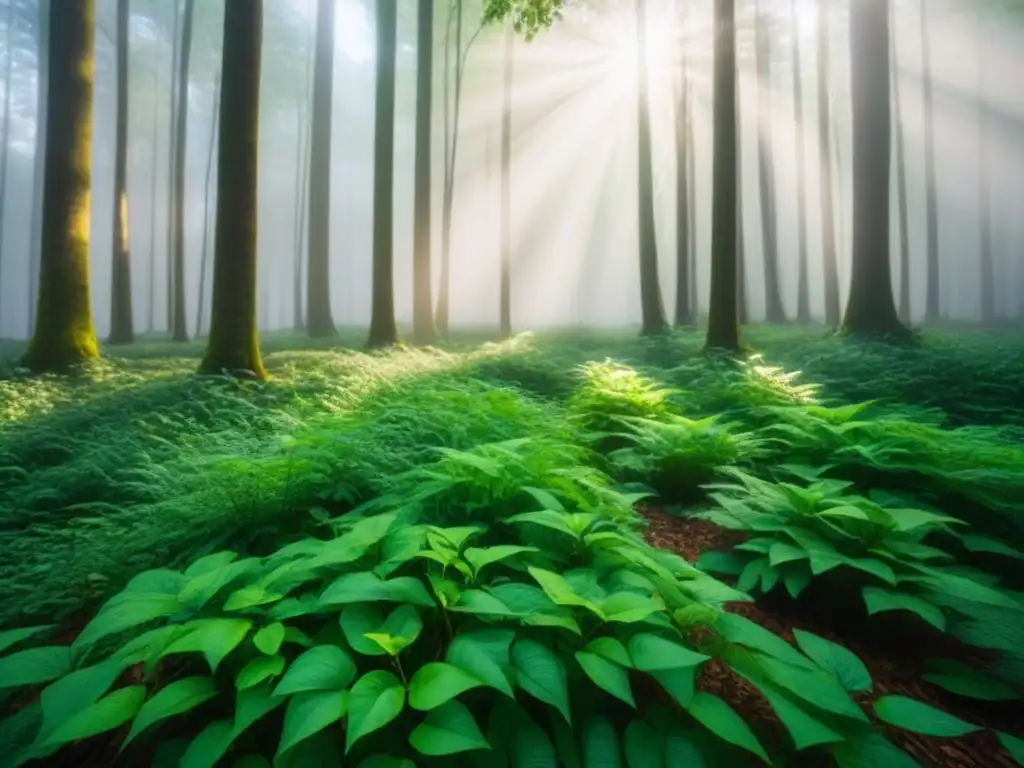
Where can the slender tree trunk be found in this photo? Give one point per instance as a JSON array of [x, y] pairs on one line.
[[723, 328], [766, 171], [931, 304], [172, 143], [383, 328], [691, 180], [684, 314], [901, 177], [422, 310], [505, 301], [122, 328], [742, 306], [5, 132], [151, 308], [64, 333], [39, 161], [233, 345], [302, 135], [987, 271], [829, 258], [180, 327], [803, 288], [204, 264], [870, 308], [318, 270]]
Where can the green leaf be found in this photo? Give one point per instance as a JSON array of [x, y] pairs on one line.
[[871, 750], [359, 620], [174, 699], [804, 727], [745, 632], [268, 640], [678, 683], [611, 649], [607, 675], [544, 498], [376, 699], [838, 661], [879, 600], [560, 591], [720, 561], [542, 675], [784, 552], [1013, 745], [485, 655], [812, 685], [214, 638], [201, 588], [601, 747], [14, 636], [479, 558], [796, 581], [209, 746], [438, 682], [916, 716], [209, 563], [645, 747], [321, 668], [629, 607], [652, 653], [967, 681], [556, 521], [309, 713], [447, 730], [35, 665], [250, 596], [402, 627], [112, 711], [253, 703], [69, 695], [722, 720], [368, 587], [259, 669], [975, 542], [530, 746]]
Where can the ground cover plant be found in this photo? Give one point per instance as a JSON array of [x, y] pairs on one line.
[[440, 556]]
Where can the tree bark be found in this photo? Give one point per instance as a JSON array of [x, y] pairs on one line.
[[39, 161], [901, 178], [5, 132], [383, 328], [870, 308], [172, 143], [723, 328], [180, 156], [803, 289], [931, 304], [233, 345], [204, 263], [422, 301], [151, 325], [986, 261], [829, 258], [318, 270], [64, 333], [684, 314], [505, 299], [122, 329], [691, 180]]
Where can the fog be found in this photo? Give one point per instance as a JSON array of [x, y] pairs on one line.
[[574, 169]]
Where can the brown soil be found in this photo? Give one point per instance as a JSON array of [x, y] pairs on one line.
[[894, 669]]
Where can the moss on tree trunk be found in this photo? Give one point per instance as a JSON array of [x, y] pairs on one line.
[[64, 333]]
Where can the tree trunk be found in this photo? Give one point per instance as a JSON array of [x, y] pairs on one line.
[[39, 161], [803, 289], [505, 300], [691, 214], [931, 304], [723, 328], [302, 135], [766, 170], [318, 268], [901, 178], [422, 301], [652, 308], [233, 345], [383, 329], [829, 258], [151, 325], [987, 269], [122, 329], [684, 314], [5, 132], [870, 308], [64, 333], [172, 143], [204, 264], [180, 157]]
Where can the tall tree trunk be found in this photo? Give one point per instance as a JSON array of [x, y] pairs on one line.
[[204, 264], [803, 288], [234, 345], [986, 261], [723, 328], [302, 135], [64, 333], [39, 161], [766, 170], [172, 143], [383, 328], [742, 306], [180, 158], [505, 299], [318, 269], [422, 301], [691, 180], [151, 309], [901, 177], [829, 257], [870, 308], [122, 328], [5, 132], [684, 314], [931, 304], [652, 307]]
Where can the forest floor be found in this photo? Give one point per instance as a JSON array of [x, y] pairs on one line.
[[855, 453]]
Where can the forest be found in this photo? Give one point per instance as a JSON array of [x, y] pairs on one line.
[[699, 325]]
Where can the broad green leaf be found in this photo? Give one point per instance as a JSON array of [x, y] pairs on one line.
[[601, 747], [359, 620], [645, 747], [784, 552], [368, 587], [376, 699], [560, 591], [838, 661], [805, 728], [309, 713], [1013, 745], [173, 699], [69, 695], [129, 610], [481, 603], [611, 649], [813, 685], [545, 498], [438, 682], [967, 681], [796, 581], [214, 638], [871, 750], [874, 567], [455, 537], [321, 668], [259, 669], [113, 710], [447, 730], [879, 600], [251, 596], [253, 703], [629, 607], [209, 563], [530, 746], [607, 675], [752, 574], [485, 655], [14, 636], [678, 683], [556, 521], [916, 716], [653, 653], [402, 626], [479, 558], [18, 731], [721, 719], [209, 746], [542, 675], [34, 665], [719, 561], [200, 589], [975, 542], [268, 640]]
